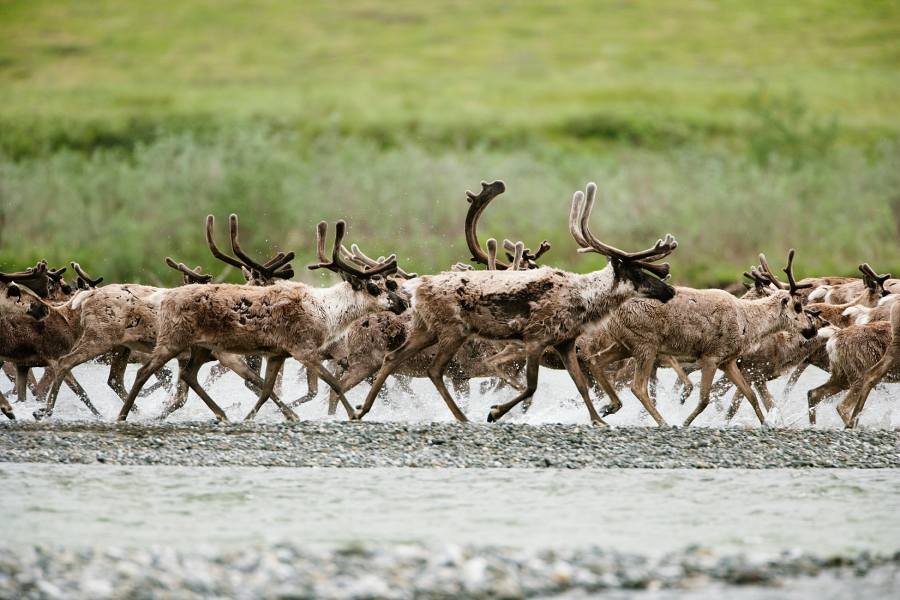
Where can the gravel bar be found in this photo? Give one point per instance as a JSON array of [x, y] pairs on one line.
[[289, 571], [371, 444]]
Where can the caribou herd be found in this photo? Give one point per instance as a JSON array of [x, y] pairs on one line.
[[502, 322]]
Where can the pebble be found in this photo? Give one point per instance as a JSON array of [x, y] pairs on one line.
[[397, 571], [374, 444]]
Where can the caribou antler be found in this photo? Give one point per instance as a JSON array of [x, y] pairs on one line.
[[767, 271], [792, 284], [190, 276], [515, 252], [337, 264], [760, 281], [789, 271], [477, 204], [267, 270], [492, 254], [365, 261], [579, 216], [210, 223], [34, 278], [275, 268], [89, 281], [56, 274], [529, 260], [877, 281], [28, 273]]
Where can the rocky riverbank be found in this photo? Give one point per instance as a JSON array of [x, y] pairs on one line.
[[370, 444], [407, 571]]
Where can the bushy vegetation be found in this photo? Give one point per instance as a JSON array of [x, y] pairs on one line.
[[738, 127]]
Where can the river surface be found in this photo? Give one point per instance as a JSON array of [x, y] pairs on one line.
[[648, 512], [556, 401]]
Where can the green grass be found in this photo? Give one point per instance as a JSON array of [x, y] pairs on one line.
[[122, 214], [450, 70], [739, 127]]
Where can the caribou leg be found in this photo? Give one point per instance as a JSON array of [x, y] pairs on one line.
[[707, 372], [816, 395], [567, 351], [233, 362], [613, 353], [533, 353], [147, 369], [181, 394], [5, 408], [418, 340], [446, 350], [273, 367], [734, 374], [644, 367], [22, 373]]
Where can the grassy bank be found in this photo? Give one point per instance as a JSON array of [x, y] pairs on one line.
[[737, 127], [122, 213]]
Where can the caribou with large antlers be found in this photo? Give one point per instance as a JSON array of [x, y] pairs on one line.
[[711, 327], [124, 316], [540, 307], [284, 319]]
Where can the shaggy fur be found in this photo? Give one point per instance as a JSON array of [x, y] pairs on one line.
[[35, 334], [281, 320], [859, 356], [711, 327], [363, 347], [541, 308]]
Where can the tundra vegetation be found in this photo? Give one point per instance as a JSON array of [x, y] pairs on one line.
[[740, 127]]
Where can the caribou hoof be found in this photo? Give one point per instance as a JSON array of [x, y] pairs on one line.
[[845, 415], [494, 414], [9, 415], [40, 414], [609, 409]]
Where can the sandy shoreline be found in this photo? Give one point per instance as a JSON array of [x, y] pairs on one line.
[[370, 444]]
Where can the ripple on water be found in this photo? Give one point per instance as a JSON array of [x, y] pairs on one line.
[[634, 510]]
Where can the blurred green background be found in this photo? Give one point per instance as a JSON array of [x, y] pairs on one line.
[[739, 127]]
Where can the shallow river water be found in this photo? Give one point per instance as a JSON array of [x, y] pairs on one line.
[[642, 511], [556, 401]]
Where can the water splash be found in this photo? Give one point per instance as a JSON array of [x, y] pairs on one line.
[[556, 401]]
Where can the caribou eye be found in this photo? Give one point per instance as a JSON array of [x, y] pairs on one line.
[[372, 288], [784, 301], [13, 291], [392, 285]]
